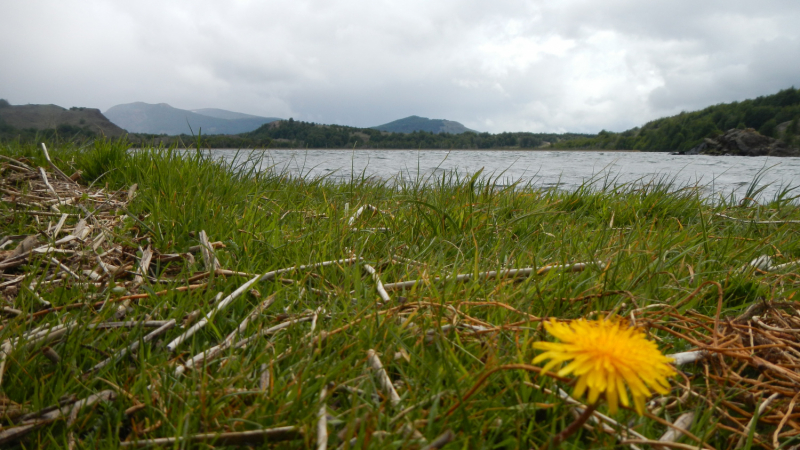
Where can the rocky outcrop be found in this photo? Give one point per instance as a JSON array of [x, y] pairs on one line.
[[743, 143]]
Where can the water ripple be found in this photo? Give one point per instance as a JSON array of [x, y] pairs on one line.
[[568, 170]]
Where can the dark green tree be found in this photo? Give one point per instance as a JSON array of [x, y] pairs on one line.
[[768, 129]]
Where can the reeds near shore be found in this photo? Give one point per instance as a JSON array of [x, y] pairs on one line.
[[163, 299]]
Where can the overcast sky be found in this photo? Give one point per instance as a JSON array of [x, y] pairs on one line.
[[501, 65]]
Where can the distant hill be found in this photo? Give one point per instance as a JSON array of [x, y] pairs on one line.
[[416, 123], [87, 122], [774, 115], [162, 118]]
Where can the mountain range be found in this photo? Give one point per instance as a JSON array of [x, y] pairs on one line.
[[161, 118], [776, 116]]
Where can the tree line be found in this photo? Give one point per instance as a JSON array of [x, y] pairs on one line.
[[63, 132], [298, 134], [293, 134]]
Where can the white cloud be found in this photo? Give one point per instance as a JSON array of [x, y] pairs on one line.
[[510, 65]]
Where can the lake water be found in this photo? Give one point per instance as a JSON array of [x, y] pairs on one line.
[[547, 169]]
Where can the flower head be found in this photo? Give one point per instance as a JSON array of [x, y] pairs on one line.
[[607, 355]]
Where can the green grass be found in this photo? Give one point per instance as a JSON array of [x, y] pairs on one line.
[[665, 241]]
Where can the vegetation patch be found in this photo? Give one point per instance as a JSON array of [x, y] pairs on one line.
[[159, 298]]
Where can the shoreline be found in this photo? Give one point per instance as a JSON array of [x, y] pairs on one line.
[[445, 150]]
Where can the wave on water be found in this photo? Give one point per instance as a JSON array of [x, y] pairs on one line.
[[566, 170]]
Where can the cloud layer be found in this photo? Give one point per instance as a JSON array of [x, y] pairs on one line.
[[507, 65]]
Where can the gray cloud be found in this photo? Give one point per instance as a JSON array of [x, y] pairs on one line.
[[568, 65]]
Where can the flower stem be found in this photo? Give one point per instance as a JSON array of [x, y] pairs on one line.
[[571, 429]]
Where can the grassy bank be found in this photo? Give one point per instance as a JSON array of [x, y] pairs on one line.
[[658, 254]]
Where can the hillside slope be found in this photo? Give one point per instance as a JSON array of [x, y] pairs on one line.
[[773, 115], [411, 124], [84, 121], [162, 118]]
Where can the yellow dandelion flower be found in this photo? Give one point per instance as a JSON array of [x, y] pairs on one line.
[[607, 355]]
